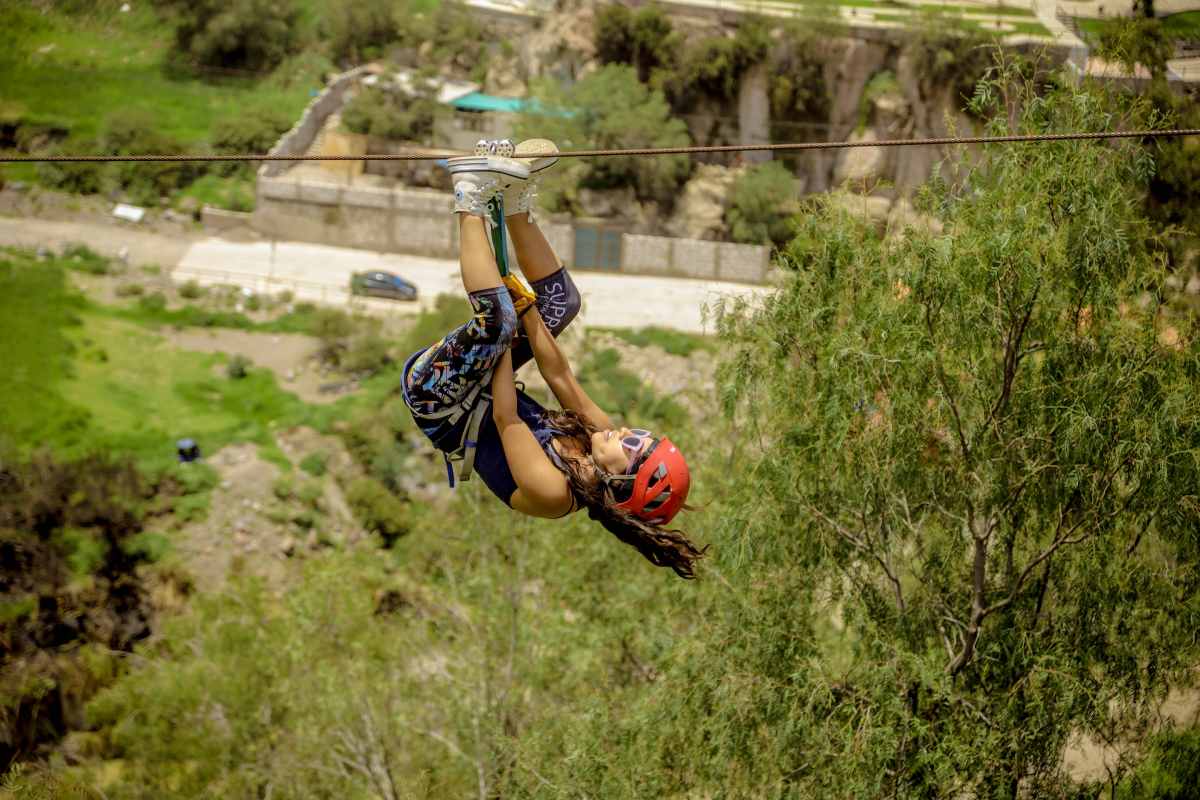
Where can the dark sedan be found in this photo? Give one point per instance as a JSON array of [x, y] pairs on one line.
[[382, 284]]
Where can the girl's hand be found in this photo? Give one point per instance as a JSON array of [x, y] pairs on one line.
[[522, 296]]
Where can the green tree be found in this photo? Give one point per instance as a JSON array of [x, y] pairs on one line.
[[763, 205], [980, 436], [236, 34], [643, 39], [964, 520], [609, 108], [357, 30]]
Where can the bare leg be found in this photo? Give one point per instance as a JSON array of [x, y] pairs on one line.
[[478, 265], [534, 254]]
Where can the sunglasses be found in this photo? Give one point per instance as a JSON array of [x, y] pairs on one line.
[[634, 442]]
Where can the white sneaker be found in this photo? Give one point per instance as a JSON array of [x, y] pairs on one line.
[[537, 155], [477, 179]]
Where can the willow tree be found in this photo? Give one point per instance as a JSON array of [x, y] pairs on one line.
[[981, 447]]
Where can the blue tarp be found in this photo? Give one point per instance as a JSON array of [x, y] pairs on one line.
[[478, 101]]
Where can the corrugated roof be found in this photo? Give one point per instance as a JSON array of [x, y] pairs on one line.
[[478, 101]]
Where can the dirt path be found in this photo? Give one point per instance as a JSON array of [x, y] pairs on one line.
[[291, 356]]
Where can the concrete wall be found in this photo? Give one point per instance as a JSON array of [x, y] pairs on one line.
[[418, 221], [388, 220]]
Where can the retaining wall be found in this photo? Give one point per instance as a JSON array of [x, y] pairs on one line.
[[297, 141], [418, 221]]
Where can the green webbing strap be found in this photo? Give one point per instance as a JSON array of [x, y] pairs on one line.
[[499, 239]]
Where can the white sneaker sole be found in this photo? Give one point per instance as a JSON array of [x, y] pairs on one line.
[[537, 154], [496, 165]]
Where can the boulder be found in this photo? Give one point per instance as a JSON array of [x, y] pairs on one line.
[[875, 209], [858, 165], [700, 210], [903, 216]]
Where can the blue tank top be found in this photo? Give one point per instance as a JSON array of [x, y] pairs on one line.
[[490, 462]]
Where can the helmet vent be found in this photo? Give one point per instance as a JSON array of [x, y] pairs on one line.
[[662, 497]]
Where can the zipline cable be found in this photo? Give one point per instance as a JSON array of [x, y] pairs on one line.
[[646, 151]]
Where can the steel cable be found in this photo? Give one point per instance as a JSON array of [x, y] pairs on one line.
[[643, 151]]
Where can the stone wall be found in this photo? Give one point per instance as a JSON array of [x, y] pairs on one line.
[[300, 138], [367, 218], [417, 221]]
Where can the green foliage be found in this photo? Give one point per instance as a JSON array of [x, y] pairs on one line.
[[191, 290], [1170, 772], [81, 258], [378, 509], [947, 56], [355, 31], [250, 131], [623, 394], [38, 311], [712, 68], [130, 290], [609, 108], [1137, 41], [960, 462], [763, 205], [677, 343], [154, 303], [239, 34], [797, 77], [644, 39], [138, 132], [393, 114], [1174, 197], [315, 463]]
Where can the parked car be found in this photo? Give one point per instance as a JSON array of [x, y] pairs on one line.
[[382, 284]]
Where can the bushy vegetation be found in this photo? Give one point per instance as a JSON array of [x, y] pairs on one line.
[[393, 114], [763, 206], [253, 35], [609, 108]]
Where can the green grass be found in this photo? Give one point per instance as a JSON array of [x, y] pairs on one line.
[[104, 62], [38, 313], [677, 343], [1183, 26], [80, 378]]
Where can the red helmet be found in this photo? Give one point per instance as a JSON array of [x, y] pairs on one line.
[[660, 484]]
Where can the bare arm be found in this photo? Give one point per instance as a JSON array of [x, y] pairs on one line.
[[557, 371], [541, 489]]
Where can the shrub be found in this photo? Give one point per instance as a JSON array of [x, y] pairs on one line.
[[367, 354], [310, 493], [764, 200], [153, 302], [609, 108], [253, 131], [238, 367], [355, 31], [643, 39], [315, 463], [191, 290], [377, 509], [283, 488], [130, 290], [238, 34], [82, 258], [392, 114], [74, 177], [133, 131]]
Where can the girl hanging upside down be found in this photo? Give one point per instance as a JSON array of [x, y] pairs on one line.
[[540, 462]]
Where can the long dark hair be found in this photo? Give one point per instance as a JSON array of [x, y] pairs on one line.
[[662, 547]]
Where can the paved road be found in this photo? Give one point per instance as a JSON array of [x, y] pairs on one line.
[[322, 273]]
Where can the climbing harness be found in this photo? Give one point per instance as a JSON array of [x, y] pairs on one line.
[[478, 401]]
